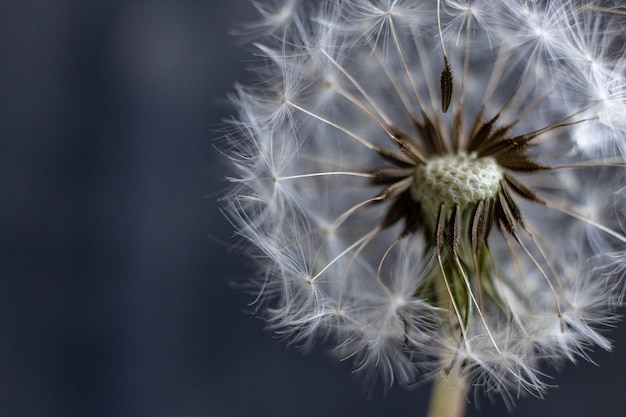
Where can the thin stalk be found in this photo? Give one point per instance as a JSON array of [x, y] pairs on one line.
[[447, 398]]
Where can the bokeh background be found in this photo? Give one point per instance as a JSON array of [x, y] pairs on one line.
[[115, 262]]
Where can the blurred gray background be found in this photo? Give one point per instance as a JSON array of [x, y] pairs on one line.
[[114, 258]]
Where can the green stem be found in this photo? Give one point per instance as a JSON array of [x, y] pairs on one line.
[[447, 398]]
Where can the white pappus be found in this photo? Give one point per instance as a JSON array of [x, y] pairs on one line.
[[436, 186]]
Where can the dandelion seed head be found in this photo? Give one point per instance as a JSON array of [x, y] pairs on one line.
[[429, 189]]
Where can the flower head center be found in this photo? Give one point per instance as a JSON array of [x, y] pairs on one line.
[[453, 180]]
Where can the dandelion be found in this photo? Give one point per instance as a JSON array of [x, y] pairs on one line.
[[436, 187]]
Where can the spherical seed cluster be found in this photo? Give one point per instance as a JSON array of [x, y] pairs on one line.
[[456, 180], [346, 144]]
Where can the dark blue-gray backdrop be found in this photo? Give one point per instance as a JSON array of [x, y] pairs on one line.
[[114, 294]]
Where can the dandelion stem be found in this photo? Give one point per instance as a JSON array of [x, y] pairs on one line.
[[447, 397]]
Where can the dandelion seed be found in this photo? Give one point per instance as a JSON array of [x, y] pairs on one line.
[[437, 187]]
